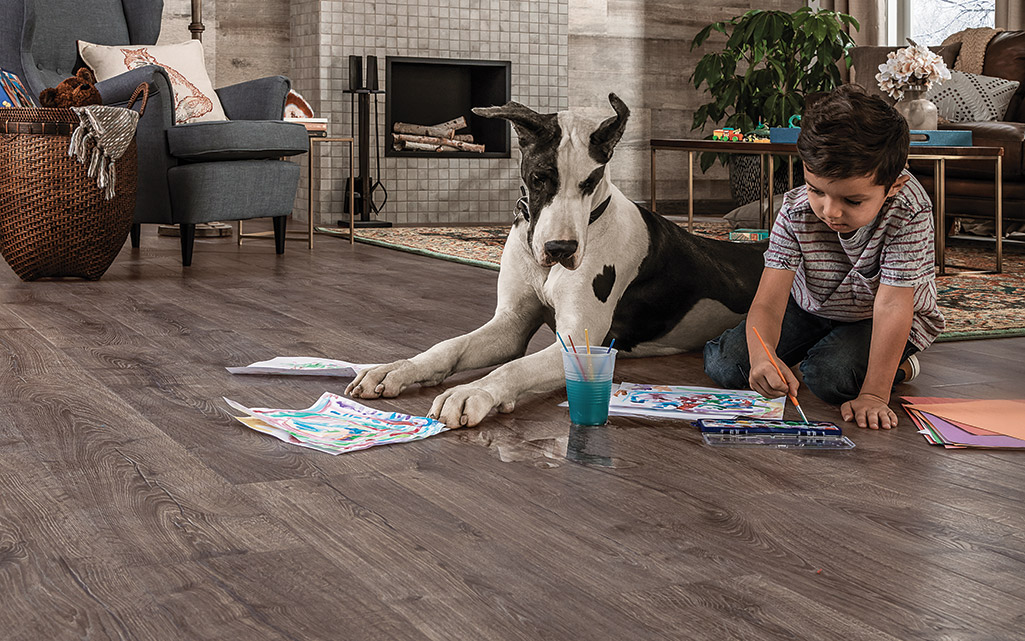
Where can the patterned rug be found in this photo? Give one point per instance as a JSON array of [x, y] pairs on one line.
[[975, 306]]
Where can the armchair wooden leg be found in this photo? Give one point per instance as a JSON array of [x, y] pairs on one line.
[[279, 233], [188, 236], [135, 233]]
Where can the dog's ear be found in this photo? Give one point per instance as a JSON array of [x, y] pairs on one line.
[[530, 125], [608, 133]]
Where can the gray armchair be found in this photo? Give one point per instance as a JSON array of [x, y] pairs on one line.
[[188, 174]]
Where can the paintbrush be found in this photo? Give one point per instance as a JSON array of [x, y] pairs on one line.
[[792, 397]]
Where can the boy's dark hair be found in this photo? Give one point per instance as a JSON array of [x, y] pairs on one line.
[[847, 133]]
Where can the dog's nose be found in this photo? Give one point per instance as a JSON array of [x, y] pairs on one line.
[[560, 249]]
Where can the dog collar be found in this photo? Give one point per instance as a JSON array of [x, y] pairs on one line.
[[599, 210], [522, 205]]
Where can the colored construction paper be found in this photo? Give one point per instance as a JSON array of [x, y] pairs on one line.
[[932, 400], [303, 366], [953, 435], [1002, 416], [926, 430], [336, 425]]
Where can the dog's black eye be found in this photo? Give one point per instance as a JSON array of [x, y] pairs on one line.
[[539, 180], [589, 184]]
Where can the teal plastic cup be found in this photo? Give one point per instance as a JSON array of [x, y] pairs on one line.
[[589, 384]]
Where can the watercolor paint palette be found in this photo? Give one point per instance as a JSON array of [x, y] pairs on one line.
[[818, 435]]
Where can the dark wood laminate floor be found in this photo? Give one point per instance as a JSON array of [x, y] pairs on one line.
[[132, 506]]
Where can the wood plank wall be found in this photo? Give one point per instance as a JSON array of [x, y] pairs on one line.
[[641, 50], [243, 40]]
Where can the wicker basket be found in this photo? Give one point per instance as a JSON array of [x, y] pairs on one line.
[[54, 220]]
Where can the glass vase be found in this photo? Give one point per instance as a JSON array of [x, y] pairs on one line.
[[919, 112]]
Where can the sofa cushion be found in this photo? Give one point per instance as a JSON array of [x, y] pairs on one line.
[[865, 63], [194, 96], [1005, 58], [237, 140], [751, 215], [969, 97]]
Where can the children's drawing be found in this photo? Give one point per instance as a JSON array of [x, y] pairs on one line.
[[302, 365], [679, 401], [336, 424]]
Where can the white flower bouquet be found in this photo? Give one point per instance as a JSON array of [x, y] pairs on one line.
[[913, 67]]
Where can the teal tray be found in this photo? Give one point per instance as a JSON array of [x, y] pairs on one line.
[[941, 138], [919, 137]]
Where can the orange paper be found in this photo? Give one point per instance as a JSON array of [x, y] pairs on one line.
[[914, 401], [1001, 416]]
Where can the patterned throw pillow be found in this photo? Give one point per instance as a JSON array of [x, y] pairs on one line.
[[968, 97], [194, 96]]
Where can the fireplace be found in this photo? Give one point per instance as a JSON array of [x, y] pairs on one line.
[[430, 91]]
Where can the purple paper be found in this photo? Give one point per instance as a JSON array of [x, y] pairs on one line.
[[955, 435]]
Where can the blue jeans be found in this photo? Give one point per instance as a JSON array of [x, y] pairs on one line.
[[833, 354]]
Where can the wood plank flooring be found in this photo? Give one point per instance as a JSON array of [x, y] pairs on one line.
[[132, 506]]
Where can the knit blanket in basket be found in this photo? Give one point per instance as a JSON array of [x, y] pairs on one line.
[[112, 130]]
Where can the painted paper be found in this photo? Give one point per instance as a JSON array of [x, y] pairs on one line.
[[302, 366], [336, 424], [690, 403]]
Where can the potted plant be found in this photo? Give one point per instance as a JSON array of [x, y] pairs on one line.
[[771, 61]]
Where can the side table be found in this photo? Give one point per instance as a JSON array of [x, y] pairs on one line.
[[308, 234], [938, 155]]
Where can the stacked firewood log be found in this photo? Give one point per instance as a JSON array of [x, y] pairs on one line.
[[440, 137]]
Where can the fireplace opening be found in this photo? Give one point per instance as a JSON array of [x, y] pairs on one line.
[[421, 93]]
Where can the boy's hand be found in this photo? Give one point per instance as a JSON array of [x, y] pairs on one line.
[[869, 411], [765, 380]]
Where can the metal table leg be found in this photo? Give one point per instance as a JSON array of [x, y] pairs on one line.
[[941, 210], [690, 190], [1000, 214], [652, 179]]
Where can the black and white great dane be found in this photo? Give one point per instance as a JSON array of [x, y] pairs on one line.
[[579, 255]]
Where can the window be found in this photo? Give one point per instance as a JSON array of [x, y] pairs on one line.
[[929, 22]]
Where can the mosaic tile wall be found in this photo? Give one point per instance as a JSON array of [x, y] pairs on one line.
[[532, 34]]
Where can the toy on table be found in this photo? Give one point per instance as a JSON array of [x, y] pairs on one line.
[[758, 134], [728, 134]]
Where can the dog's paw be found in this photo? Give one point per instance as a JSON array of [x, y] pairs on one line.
[[384, 380], [462, 406]]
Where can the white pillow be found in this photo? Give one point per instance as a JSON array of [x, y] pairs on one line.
[[968, 97], [194, 96]]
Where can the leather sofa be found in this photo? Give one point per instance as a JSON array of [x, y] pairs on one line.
[[970, 190]]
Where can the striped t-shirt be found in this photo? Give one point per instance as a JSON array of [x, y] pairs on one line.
[[837, 278]]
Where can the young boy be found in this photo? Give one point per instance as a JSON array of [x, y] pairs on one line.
[[848, 289]]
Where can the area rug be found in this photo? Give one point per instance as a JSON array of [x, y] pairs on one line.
[[975, 305]]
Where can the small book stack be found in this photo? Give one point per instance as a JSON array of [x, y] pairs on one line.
[[314, 126], [12, 91]]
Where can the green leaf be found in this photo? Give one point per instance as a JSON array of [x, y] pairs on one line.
[[701, 37], [782, 55], [707, 160]]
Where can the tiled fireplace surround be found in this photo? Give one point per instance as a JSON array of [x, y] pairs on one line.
[[532, 35]]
